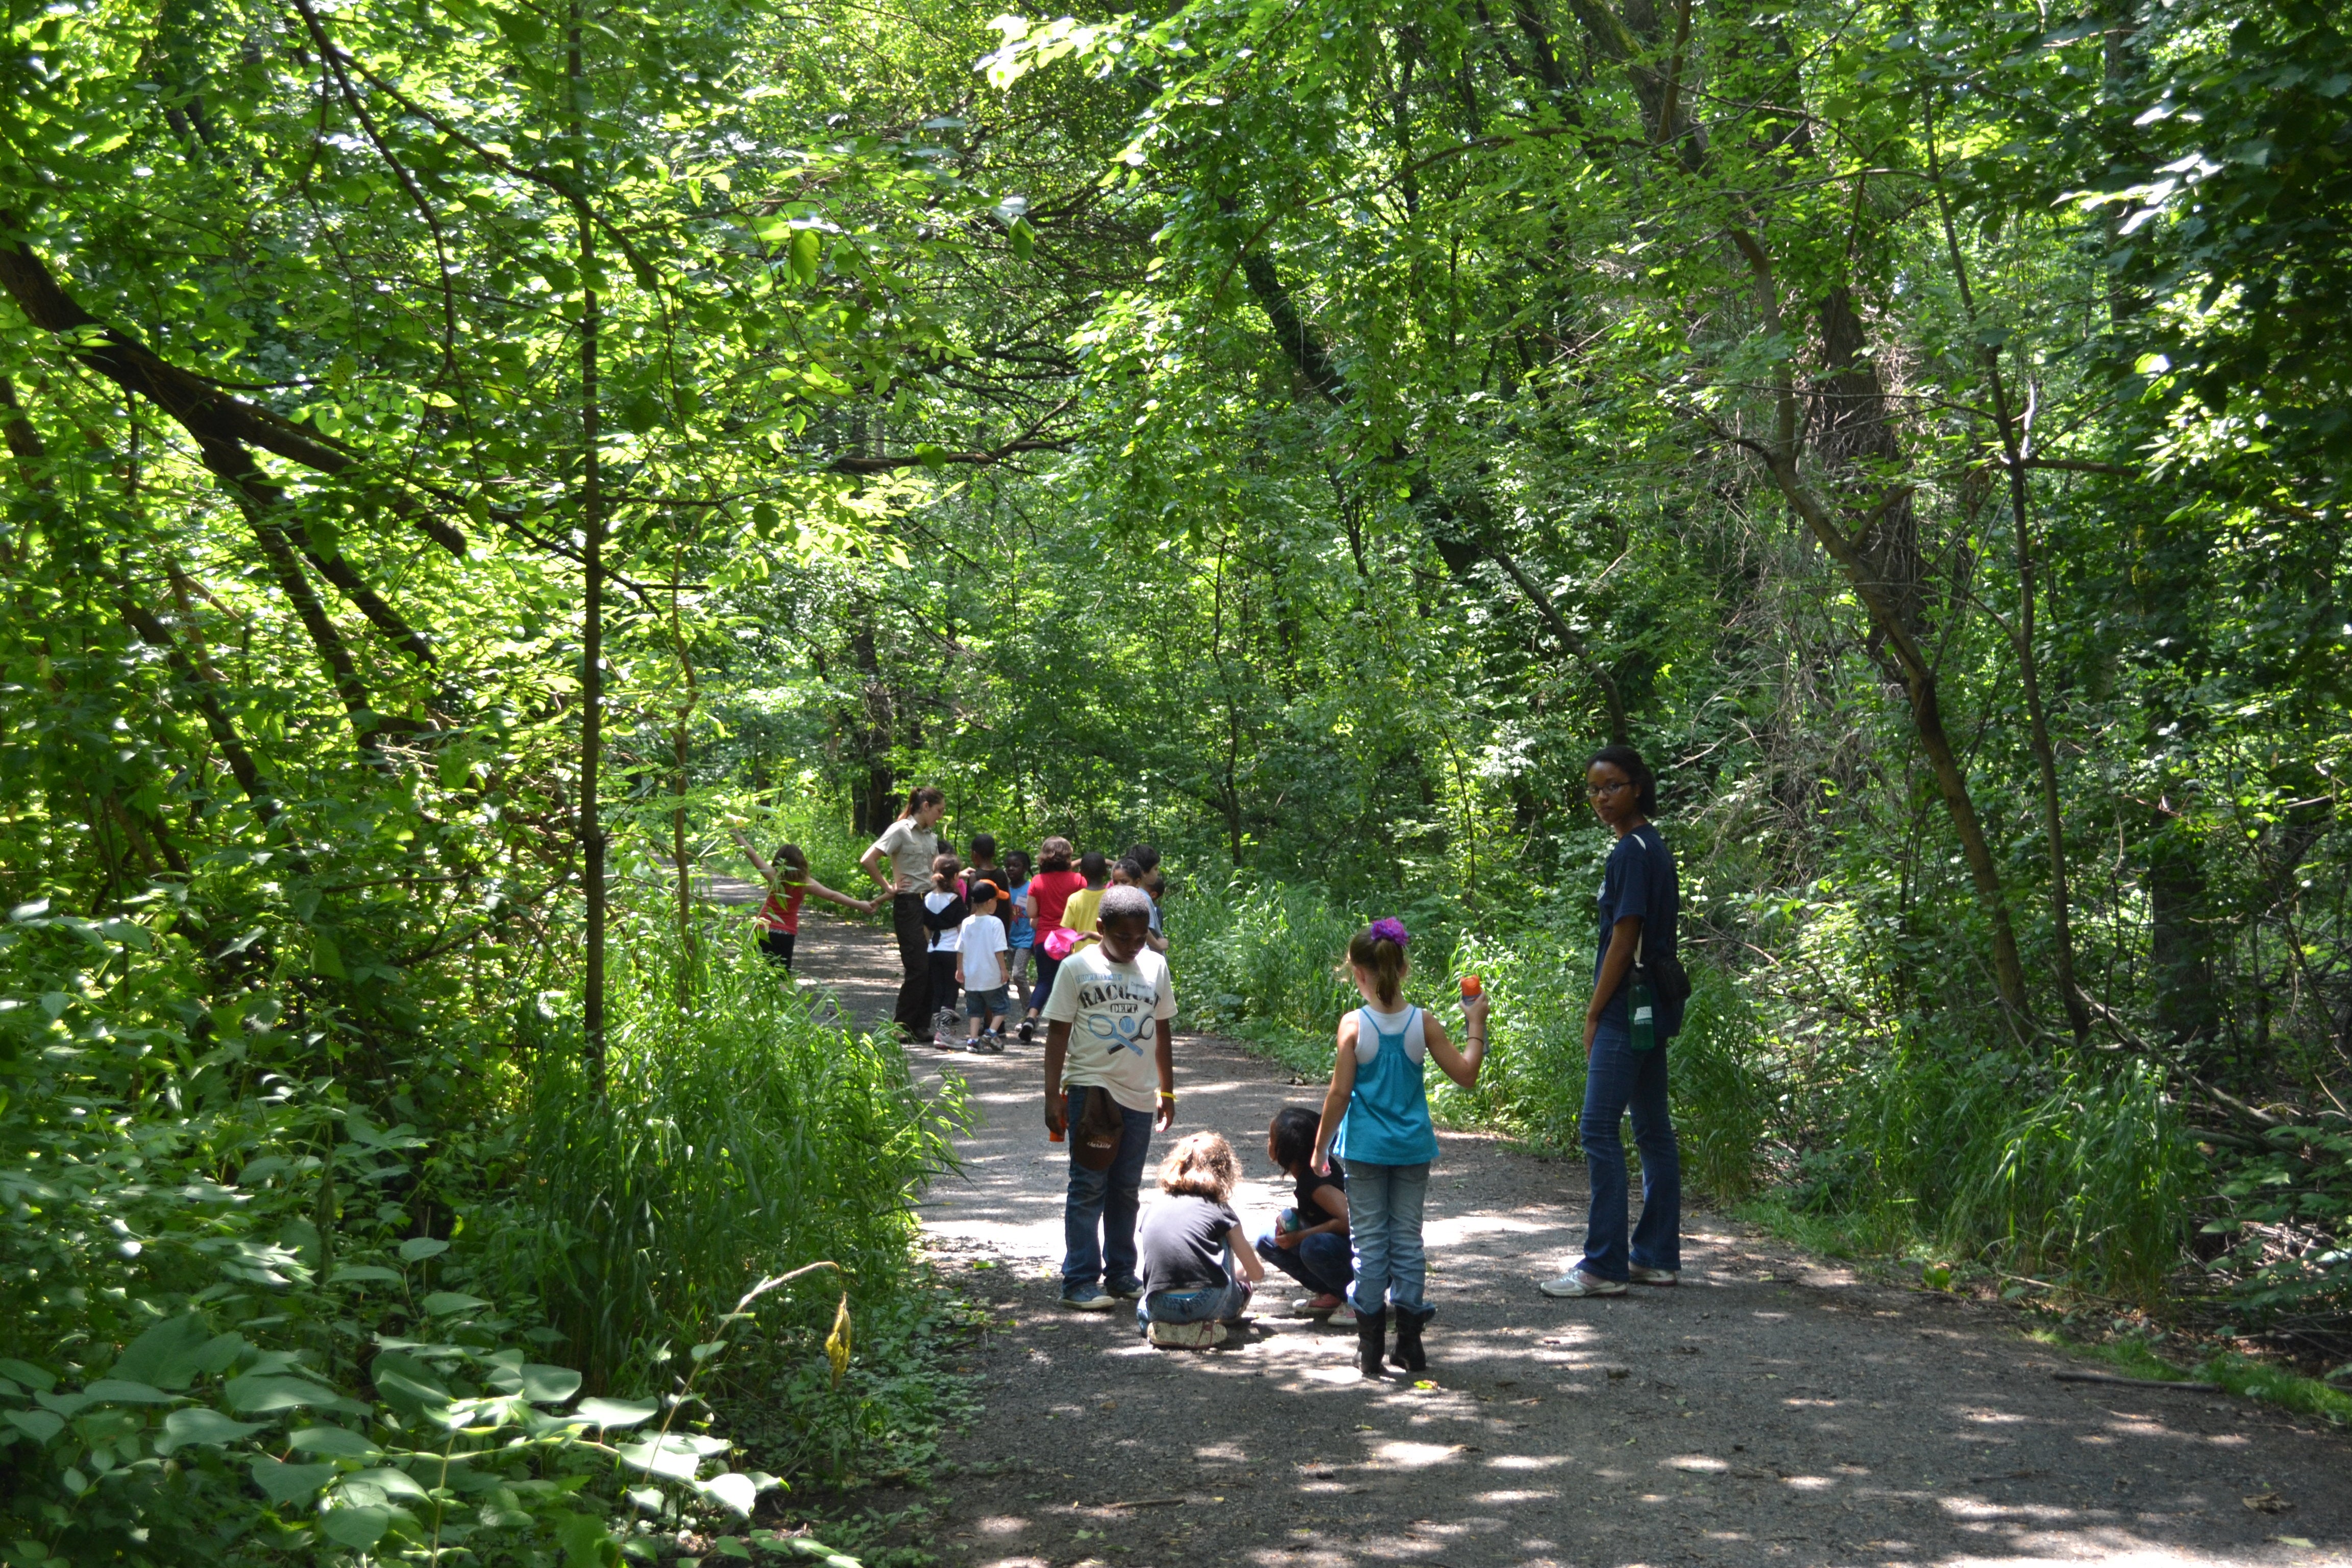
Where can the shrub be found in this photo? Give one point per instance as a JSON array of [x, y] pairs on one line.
[[230, 1333], [730, 1139]]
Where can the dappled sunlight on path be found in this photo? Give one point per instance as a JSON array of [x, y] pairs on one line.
[[1774, 1408]]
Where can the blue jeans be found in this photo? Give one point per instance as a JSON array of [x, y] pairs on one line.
[[1206, 1304], [1384, 1204], [1099, 1214], [1042, 992], [1320, 1262], [1620, 1080]]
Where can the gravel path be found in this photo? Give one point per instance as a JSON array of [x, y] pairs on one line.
[[1774, 1408]]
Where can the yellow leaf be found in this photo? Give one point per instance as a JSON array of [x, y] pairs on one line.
[[836, 1343]]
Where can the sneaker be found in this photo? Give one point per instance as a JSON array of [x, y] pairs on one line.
[[1652, 1276], [1577, 1282], [946, 1042], [1086, 1299], [1028, 1026], [1129, 1291], [1187, 1336], [1316, 1306], [984, 1046], [1342, 1316]]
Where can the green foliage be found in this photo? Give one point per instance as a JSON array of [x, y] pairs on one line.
[[730, 1139], [220, 1338], [2288, 1206]]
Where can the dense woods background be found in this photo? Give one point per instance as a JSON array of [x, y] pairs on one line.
[[462, 455]]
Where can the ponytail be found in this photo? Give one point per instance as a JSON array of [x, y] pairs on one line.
[[920, 796], [1379, 951]]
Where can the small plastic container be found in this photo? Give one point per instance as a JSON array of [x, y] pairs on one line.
[[1472, 986]]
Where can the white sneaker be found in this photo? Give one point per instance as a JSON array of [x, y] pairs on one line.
[[1188, 1336], [1304, 1307], [1577, 1282], [1652, 1276], [1342, 1316]]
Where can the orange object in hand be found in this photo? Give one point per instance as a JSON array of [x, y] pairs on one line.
[[1472, 986]]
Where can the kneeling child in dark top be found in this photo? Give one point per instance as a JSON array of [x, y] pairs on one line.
[[1310, 1241], [1192, 1241]]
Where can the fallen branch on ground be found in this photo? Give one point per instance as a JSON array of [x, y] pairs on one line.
[[2109, 1377]]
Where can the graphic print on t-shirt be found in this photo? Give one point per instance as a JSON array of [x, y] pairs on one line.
[[1115, 1009]]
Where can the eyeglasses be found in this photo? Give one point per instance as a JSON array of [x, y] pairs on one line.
[[1597, 791]]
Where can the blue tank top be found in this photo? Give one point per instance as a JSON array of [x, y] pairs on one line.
[[1386, 1121], [1018, 931]]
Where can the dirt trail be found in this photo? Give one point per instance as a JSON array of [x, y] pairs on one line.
[[1774, 1408]]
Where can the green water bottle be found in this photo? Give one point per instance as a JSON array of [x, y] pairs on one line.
[[1641, 1005]]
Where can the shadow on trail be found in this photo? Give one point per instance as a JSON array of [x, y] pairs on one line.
[[1771, 1409]]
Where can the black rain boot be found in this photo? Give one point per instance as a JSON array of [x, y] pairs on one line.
[[1371, 1328], [1408, 1353]]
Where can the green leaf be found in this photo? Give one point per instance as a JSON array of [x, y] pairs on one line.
[[441, 1303], [548, 1384], [123, 1391], [359, 1527], [1024, 238], [205, 1428], [587, 1543], [333, 1441], [256, 1395], [25, 1372], [282, 1483], [805, 252], [40, 1426], [416, 1248], [733, 1491], [616, 1415], [166, 1355]]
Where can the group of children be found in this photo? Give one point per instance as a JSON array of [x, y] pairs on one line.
[[986, 923], [1359, 1169]]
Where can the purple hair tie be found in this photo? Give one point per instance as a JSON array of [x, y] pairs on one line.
[[1388, 928]]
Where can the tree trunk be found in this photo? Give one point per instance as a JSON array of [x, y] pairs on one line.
[[592, 616], [2012, 447]]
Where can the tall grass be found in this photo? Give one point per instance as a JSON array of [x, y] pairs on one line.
[[733, 1138], [2083, 1167]]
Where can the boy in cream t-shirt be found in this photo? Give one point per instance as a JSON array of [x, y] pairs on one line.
[[1108, 1020]]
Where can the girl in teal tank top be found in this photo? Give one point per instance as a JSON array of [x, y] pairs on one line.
[[1376, 1118]]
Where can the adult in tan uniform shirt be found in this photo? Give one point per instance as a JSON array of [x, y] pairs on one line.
[[907, 846]]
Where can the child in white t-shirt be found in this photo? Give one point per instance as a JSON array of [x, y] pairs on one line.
[[1108, 1021], [943, 916], [980, 968]]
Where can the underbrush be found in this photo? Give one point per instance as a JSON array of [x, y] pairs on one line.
[[283, 1280], [732, 1137]]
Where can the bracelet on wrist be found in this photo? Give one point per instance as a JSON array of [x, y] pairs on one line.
[[1169, 1095]]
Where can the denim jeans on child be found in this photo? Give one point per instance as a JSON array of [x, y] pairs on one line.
[[1098, 1213], [1384, 1204], [1619, 1079], [1210, 1304], [1320, 1262]]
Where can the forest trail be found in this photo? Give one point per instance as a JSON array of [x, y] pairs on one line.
[[1774, 1408]]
